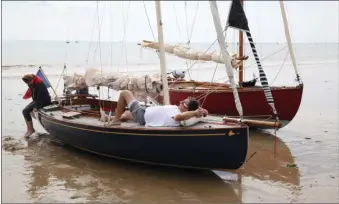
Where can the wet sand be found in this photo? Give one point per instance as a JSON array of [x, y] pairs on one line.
[[39, 170]]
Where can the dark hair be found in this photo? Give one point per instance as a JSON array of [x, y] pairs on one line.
[[26, 80], [193, 104], [28, 77]]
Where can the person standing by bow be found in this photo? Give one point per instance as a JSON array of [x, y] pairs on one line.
[[41, 98]]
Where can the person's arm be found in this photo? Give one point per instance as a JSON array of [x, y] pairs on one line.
[[189, 114], [186, 115]]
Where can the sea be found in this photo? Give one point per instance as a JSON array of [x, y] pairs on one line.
[[305, 167]]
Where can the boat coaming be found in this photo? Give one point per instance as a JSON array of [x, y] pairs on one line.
[[199, 148], [220, 99]]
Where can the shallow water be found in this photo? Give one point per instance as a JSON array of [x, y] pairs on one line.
[[39, 170]]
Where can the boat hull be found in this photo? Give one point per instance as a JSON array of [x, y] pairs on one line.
[[200, 149], [286, 99]]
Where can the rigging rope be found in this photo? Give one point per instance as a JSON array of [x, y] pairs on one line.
[[186, 23], [90, 44], [111, 34], [196, 61], [188, 40], [125, 21], [203, 53], [210, 83], [98, 19], [99, 45], [149, 23], [124, 34], [267, 57], [99, 29], [63, 71], [190, 36], [194, 18], [280, 68], [176, 16], [275, 140], [209, 92], [99, 35]]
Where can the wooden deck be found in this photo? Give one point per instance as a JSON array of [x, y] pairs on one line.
[[209, 122]]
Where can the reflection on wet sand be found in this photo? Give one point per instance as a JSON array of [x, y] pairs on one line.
[[61, 174], [262, 164], [72, 176], [265, 173]]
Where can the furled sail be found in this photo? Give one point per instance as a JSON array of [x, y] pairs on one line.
[[74, 82], [187, 53], [237, 19], [116, 81]]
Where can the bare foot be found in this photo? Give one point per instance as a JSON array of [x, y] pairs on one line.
[[123, 118], [127, 115], [29, 133], [112, 123]]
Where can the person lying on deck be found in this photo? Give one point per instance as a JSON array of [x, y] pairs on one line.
[[156, 116], [41, 98]]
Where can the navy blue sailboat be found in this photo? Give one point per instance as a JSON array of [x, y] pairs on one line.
[[213, 144]]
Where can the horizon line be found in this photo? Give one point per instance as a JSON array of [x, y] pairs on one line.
[[108, 41]]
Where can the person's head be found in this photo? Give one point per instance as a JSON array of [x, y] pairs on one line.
[[189, 104], [28, 78]]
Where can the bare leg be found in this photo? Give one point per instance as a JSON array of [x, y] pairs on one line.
[[124, 98], [30, 129], [127, 115], [27, 115]]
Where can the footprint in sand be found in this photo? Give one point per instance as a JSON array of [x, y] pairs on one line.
[[11, 144]]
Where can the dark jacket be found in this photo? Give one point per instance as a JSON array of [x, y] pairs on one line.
[[40, 95]]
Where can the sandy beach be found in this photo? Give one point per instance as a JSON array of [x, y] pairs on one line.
[[299, 163], [305, 168]]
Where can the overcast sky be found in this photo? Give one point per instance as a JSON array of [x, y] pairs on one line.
[[309, 21]]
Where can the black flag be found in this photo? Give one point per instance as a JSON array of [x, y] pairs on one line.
[[237, 18]]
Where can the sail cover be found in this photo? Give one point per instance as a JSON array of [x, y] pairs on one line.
[[237, 19], [113, 80], [190, 54]]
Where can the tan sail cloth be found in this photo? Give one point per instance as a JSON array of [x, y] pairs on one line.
[[74, 82], [117, 81], [187, 53]]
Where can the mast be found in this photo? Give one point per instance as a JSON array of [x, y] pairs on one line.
[[162, 53], [289, 41], [241, 52], [225, 54]]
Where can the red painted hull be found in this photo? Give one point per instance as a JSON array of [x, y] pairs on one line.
[[287, 101]]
